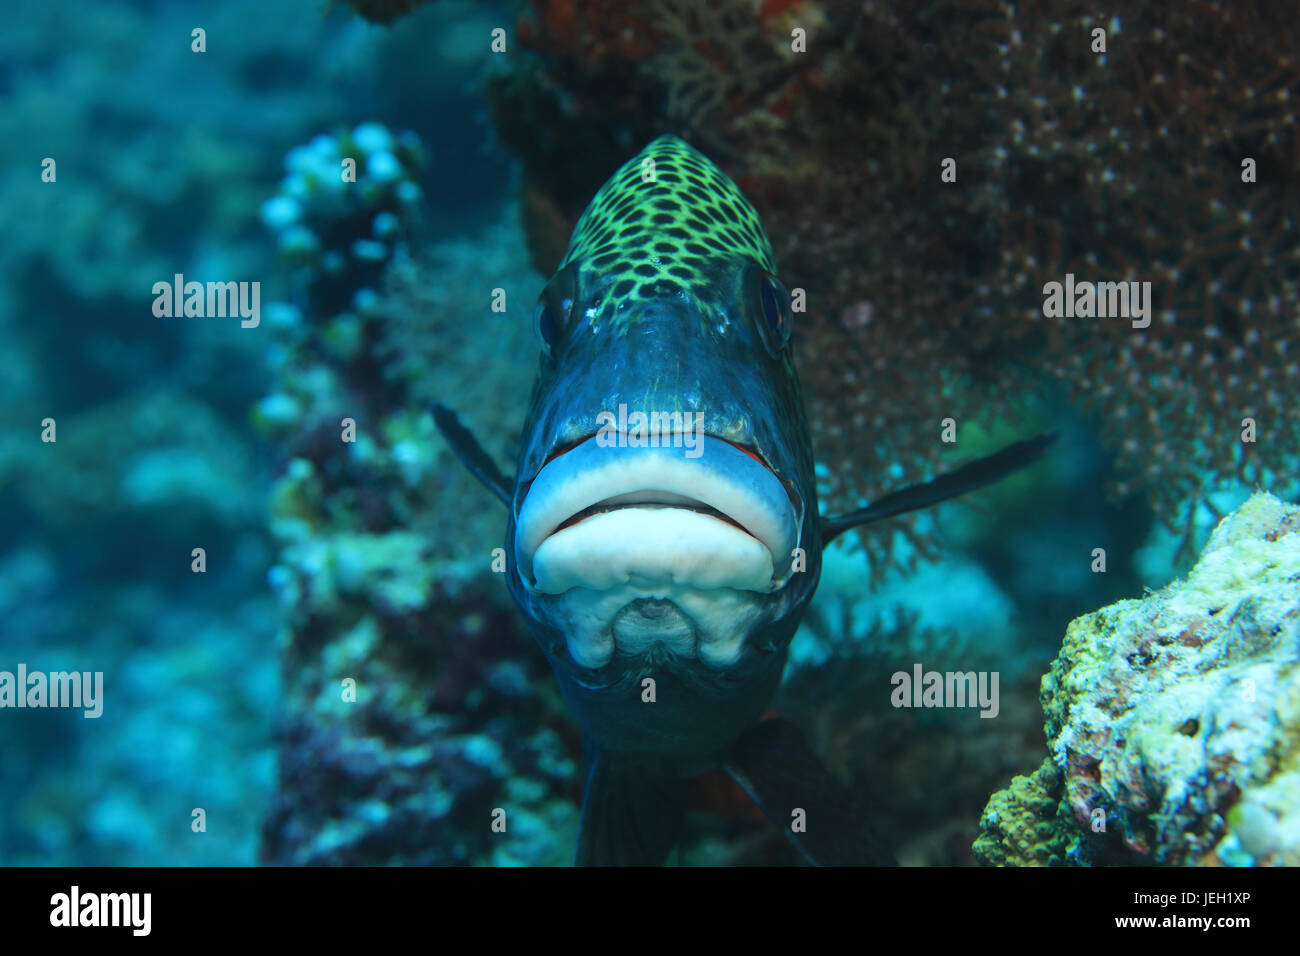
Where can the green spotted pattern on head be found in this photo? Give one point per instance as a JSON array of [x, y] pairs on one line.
[[665, 238]]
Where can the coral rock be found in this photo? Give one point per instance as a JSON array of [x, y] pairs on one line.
[[1019, 827], [1174, 721]]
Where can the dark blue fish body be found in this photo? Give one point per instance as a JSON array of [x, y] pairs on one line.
[[657, 329], [664, 537]]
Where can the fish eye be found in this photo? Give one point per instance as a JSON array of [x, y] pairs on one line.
[[548, 323], [554, 311], [775, 321]]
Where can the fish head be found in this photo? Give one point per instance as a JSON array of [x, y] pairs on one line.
[[664, 520]]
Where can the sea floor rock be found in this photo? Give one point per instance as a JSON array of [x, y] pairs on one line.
[[1173, 721]]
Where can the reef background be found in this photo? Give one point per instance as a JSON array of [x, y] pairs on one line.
[[369, 560]]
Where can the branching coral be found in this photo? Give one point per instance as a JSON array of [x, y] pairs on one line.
[[1141, 152], [346, 206]]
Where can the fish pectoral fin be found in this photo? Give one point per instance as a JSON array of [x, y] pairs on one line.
[[969, 477], [633, 813], [774, 765], [471, 453]]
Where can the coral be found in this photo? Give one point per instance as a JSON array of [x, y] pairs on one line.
[[950, 608], [141, 456], [347, 205], [924, 773], [992, 603], [925, 299], [383, 363], [445, 728], [187, 673], [1019, 827], [384, 574], [1173, 720]]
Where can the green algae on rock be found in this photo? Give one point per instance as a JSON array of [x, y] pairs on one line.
[[1174, 721]]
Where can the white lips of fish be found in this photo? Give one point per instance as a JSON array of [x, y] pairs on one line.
[[646, 546]]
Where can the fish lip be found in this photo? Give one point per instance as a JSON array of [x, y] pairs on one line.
[[563, 447], [524, 488]]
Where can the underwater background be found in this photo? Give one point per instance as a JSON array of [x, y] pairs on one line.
[[335, 552]]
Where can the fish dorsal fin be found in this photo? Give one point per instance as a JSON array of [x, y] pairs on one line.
[[633, 813], [975, 474], [773, 764], [471, 453]]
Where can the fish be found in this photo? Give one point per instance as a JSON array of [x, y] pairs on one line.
[[663, 536]]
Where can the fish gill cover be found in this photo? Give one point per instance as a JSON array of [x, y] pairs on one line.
[[234, 307]]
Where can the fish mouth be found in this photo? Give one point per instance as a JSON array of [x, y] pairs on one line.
[[696, 511], [672, 547]]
